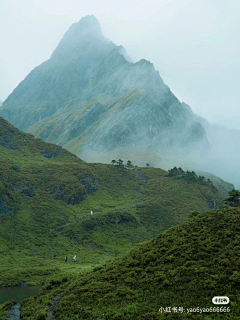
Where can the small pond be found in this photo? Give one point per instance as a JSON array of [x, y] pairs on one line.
[[18, 293]]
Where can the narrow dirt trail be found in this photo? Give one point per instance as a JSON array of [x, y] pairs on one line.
[[50, 311]]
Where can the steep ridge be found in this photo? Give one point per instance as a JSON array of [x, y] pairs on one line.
[[47, 194], [174, 276], [90, 99]]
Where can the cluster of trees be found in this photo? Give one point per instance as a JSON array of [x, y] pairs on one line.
[[234, 198], [189, 176], [120, 163], [129, 164]]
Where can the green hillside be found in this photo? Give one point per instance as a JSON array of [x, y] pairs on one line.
[[182, 269], [47, 194]]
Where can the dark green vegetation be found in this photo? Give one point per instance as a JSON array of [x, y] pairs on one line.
[[189, 176], [5, 308], [234, 198], [47, 194], [185, 267]]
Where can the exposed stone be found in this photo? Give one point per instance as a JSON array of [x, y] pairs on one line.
[[52, 154], [25, 189], [212, 204], [3, 207], [91, 186]]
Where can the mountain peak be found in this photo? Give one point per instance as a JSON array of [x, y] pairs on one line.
[[86, 32], [88, 25], [89, 21]]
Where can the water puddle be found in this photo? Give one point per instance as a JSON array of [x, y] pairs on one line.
[[18, 293]]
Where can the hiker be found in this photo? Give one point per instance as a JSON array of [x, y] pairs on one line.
[[66, 259], [91, 213], [55, 255], [74, 259]]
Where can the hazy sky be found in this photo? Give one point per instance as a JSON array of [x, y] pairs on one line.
[[194, 44]]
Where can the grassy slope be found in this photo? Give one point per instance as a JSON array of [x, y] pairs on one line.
[[184, 267], [141, 157], [33, 227], [222, 186]]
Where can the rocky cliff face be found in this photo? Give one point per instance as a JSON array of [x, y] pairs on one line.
[[89, 98]]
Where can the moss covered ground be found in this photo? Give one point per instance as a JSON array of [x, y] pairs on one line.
[[173, 276]]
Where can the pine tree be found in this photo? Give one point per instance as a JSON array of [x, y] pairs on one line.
[[120, 162], [129, 164], [234, 198]]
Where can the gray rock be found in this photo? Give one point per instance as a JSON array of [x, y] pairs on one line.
[[22, 284], [3, 207], [14, 313]]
